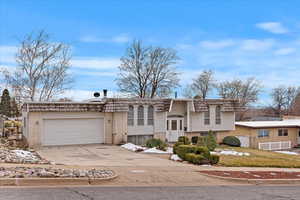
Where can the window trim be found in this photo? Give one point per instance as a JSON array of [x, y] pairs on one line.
[[283, 132], [218, 115], [207, 116], [174, 122], [140, 117], [130, 115], [150, 115], [265, 133]]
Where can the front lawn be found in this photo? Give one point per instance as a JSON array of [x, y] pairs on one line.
[[259, 158]]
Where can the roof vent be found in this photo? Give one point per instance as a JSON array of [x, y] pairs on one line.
[[96, 94], [105, 93]]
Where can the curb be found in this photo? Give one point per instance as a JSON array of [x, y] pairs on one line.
[[53, 181], [255, 181]]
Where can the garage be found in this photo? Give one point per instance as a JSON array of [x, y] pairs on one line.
[[245, 141], [67, 131]]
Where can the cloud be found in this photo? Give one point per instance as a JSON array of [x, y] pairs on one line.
[[273, 27], [284, 51], [216, 44], [95, 73], [7, 53], [257, 45], [246, 58], [95, 63], [122, 38]]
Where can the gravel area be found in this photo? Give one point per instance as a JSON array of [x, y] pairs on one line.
[[21, 156], [32, 172]]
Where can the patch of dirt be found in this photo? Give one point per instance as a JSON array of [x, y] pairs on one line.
[[255, 174]]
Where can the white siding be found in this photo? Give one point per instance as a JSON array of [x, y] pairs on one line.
[[197, 121], [144, 129]]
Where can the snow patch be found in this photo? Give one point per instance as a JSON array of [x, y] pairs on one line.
[[287, 152], [133, 147], [175, 157], [24, 154], [231, 153], [155, 150]]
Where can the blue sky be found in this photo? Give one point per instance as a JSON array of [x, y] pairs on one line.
[[237, 39]]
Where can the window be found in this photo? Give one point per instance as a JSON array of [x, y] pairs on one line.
[[167, 124], [130, 116], [263, 133], [207, 116], [283, 132], [174, 125], [150, 115], [140, 115], [218, 115], [180, 124]]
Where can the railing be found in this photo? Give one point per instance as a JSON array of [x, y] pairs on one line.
[[275, 145]]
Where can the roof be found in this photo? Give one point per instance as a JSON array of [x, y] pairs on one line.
[[121, 105], [269, 124]]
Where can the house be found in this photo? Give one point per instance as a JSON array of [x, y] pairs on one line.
[[119, 120], [267, 135]]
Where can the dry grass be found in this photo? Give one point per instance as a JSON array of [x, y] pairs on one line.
[[260, 158]]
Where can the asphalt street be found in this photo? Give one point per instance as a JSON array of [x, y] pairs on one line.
[[153, 193]]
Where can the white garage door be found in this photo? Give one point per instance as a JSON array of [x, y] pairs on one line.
[[73, 131], [244, 141]]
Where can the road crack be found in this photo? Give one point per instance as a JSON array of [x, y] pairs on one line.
[[84, 195]]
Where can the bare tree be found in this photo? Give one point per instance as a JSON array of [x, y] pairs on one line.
[[42, 70], [283, 98], [203, 84], [148, 71], [245, 91]]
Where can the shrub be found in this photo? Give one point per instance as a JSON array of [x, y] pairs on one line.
[[202, 150], [208, 141], [196, 154], [184, 139], [158, 143], [195, 158], [214, 159], [202, 141], [211, 142], [182, 150], [232, 141], [176, 145], [195, 139]]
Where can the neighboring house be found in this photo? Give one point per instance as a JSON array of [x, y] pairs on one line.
[[267, 135], [119, 120]]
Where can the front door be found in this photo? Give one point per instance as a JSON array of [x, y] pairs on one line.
[[174, 128]]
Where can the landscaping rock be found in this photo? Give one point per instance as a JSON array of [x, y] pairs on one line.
[[27, 172], [20, 156]]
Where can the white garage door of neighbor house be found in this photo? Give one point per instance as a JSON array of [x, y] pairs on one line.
[[73, 131], [244, 141]]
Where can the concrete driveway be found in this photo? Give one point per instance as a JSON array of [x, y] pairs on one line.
[[101, 155]]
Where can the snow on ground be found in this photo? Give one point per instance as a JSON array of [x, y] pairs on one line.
[[287, 152], [24, 154], [231, 153], [155, 150], [175, 157], [133, 147]]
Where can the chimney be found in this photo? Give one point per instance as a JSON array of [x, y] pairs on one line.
[[176, 95], [104, 93]]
